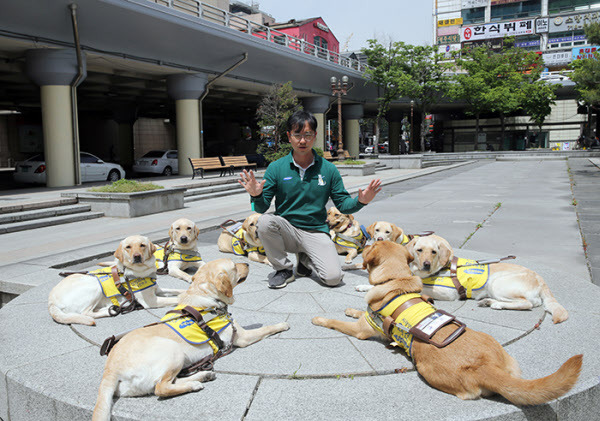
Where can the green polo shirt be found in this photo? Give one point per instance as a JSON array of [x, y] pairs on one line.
[[302, 201]]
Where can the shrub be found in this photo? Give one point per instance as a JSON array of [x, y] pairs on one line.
[[126, 186]]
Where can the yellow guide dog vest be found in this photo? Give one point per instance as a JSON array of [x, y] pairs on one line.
[[242, 249], [110, 290], [471, 275], [360, 239], [408, 319], [185, 326], [174, 256]]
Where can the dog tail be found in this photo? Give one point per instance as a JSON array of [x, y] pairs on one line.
[[559, 314], [108, 385], [532, 392], [60, 316]]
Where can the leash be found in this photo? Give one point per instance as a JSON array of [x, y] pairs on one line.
[[130, 304], [167, 250]]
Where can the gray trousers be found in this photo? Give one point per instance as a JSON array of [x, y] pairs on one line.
[[279, 237]]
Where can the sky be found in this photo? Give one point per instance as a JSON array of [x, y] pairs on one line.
[[355, 21]]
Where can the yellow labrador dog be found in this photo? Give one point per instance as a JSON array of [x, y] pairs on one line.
[[181, 250], [471, 366], [148, 360], [83, 298], [497, 285], [347, 235], [382, 231], [245, 242]]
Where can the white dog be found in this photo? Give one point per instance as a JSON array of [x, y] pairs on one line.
[[149, 359], [82, 298], [497, 285], [181, 250]]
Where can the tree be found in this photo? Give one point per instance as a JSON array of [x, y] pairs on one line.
[[400, 69], [538, 98], [497, 83], [382, 70], [274, 110], [586, 75]]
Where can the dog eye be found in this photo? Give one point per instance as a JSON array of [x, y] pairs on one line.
[[433, 252], [127, 247], [419, 250], [387, 232], [177, 229], [142, 245], [251, 225]]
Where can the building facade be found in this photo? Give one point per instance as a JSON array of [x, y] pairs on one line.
[[553, 28]]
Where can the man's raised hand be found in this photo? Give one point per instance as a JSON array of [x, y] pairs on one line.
[[248, 182]]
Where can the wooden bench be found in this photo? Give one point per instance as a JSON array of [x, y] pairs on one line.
[[347, 155], [327, 156], [199, 165], [233, 162]]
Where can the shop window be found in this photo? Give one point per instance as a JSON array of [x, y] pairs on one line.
[[558, 6], [474, 15], [321, 44], [516, 10]]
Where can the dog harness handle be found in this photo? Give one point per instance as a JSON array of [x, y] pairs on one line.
[[462, 292]]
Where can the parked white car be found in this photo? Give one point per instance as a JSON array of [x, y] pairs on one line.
[[157, 162], [33, 170]]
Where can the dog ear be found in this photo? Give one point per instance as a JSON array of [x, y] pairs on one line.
[[246, 224], [196, 231], [171, 232], [446, 252], [371, 229], [350, 217], [152, 248], [410, 248], [223, 285], [409, 255], [370, 255], [119, 253], [396, 232]]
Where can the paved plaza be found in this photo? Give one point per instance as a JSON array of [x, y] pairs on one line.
[[484, 208]]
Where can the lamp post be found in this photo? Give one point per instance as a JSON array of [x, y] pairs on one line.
[[410, 141], [339, 88]]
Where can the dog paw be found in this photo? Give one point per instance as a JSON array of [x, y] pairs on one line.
[[319, 321], [196, 386], [363, 288], [210, 376], [486, 302], [283, 326], [496, 306]]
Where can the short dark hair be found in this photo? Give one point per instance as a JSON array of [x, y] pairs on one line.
[[299, 119]]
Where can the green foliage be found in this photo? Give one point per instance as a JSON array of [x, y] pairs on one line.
[[126, 186], [404, 70], [586, 72], [538, 98], [349, 162], [272, 155], [275, 108]]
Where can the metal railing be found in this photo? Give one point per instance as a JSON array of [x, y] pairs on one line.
[[238, 23]]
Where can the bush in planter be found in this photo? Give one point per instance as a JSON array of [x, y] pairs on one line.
[[272, 155], [349, 162], [126, 186]]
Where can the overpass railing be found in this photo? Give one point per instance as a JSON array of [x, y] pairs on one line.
[[238, 23]]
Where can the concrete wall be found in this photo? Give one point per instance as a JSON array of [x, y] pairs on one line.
[[152, 133]]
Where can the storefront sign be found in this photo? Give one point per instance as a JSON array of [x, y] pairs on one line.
[[321, 26], [497, 30], [448, 39], [448, 50], [495, 2], [566, 39], [580, 53], [557, 59], [573, 22], [448, 30], [493, 44], [542, 25], [450, 22], [469, 4]]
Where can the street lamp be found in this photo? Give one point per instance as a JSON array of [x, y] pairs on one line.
[[339, 88], [411, 140]]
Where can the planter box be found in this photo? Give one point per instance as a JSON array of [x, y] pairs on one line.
[[363, 169], [131, 205], [402, 161]]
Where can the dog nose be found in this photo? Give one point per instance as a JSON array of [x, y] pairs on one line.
[[183, 239], [426, 265], [137, 258], [379, 239]]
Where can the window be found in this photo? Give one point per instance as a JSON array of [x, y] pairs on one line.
[[516, 10], [528, 42], [172, 155], [566, 39], [474, 15], [321, 44], [558, 6], [85, 158]]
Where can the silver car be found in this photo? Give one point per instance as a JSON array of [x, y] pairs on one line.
[[157, 162], [33, 170]]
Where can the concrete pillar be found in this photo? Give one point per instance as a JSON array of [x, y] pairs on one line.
[[394, 118], [185, 89], [317, 106], [124, 116], [54, 70], [351, 114]]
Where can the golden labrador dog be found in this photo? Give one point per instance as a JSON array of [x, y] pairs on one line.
[[245, 242], [149, 359], [347, 235], [471, 366], [83, 298], [382, 231], [181, 250], [497, 285]]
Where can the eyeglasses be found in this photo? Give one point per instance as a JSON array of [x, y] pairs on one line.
[[307, 135]]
